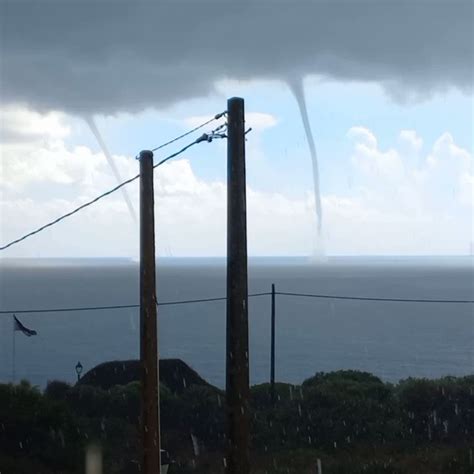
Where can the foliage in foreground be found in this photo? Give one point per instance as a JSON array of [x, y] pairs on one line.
[[351, 421]]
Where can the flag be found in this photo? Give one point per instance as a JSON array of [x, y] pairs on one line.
[[19, 327]]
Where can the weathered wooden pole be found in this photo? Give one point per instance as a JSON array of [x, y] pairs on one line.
[[150, 414], [237, 351]]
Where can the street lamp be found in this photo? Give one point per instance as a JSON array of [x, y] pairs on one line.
[[79, 370]]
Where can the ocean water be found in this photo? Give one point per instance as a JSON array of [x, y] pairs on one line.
[[391, 339]]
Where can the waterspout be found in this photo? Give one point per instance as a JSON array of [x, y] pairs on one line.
[[95, 131], [296, 87]]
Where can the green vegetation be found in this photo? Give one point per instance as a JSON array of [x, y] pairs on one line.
[[352, 421]]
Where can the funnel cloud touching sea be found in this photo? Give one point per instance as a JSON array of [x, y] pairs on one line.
[[298, 91]]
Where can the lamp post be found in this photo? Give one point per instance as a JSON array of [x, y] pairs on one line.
[[79, 370]]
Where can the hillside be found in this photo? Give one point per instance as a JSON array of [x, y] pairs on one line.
[[174, 373]]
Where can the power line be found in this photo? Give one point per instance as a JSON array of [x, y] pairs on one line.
[[205, 300], [205, 137], [368, 298], [70, 310], [120, 306], [216, 117], [223, 298]]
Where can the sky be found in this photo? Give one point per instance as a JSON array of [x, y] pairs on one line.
[[388, 87]]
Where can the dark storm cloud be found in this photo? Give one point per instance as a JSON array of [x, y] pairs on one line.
[[108, 56]]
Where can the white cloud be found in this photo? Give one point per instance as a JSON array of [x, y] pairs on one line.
[[366, 156], [52, 163], [466, 193], [411, 140], [363, 136], [398, 206], [22, 123], [424, 205], [260, 121]]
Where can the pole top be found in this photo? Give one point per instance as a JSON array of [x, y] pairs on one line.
[[235, 99], [235, 108], [145, 154]]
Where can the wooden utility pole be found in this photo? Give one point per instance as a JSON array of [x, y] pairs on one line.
[[150, 406], [237, 352], [272, 354]]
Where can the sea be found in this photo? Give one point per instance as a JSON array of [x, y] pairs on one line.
[[393, 340]]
